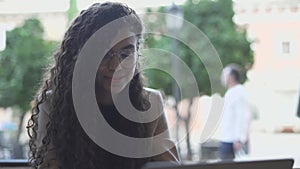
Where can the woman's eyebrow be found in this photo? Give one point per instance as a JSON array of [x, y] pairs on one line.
[[130, 46]]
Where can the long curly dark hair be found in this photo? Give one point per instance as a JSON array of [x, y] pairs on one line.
[[73, 148]]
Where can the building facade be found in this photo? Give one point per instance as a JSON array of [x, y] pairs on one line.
[[52, 16], [274, 81]]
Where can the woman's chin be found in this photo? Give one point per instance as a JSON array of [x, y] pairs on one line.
[[116, 89]]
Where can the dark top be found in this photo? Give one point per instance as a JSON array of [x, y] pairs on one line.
[[126, 127], [105, 159]]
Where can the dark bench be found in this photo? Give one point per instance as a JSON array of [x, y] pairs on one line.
[[14, 164]]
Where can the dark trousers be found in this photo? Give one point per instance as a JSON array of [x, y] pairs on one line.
[[226, 151]]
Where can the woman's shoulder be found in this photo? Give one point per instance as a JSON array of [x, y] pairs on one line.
[[155, 97], [150, 90], [154, 93], [44, 99], [46, 95]]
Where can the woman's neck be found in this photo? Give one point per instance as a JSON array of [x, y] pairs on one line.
[[104, 98]]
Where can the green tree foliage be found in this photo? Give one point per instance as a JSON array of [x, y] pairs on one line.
[[214, 19], [21, 66], [72, 11]]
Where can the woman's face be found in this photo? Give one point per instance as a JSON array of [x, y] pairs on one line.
[[117, 67]]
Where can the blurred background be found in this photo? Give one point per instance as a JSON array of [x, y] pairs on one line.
[[261, 36]]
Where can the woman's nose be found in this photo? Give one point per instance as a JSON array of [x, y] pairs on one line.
[[114, 62]]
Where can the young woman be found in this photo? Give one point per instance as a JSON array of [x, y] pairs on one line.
[[57, 138]]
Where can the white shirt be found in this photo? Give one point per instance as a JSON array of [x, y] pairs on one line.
[[236, 115]]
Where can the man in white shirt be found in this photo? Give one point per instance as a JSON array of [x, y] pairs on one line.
[[236, 115]]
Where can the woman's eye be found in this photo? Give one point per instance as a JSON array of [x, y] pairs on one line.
[[124, 55]]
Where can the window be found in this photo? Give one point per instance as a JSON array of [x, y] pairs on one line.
[[286, 47]]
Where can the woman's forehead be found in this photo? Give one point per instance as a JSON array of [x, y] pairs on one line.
[[125, 43], [121, 34]]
